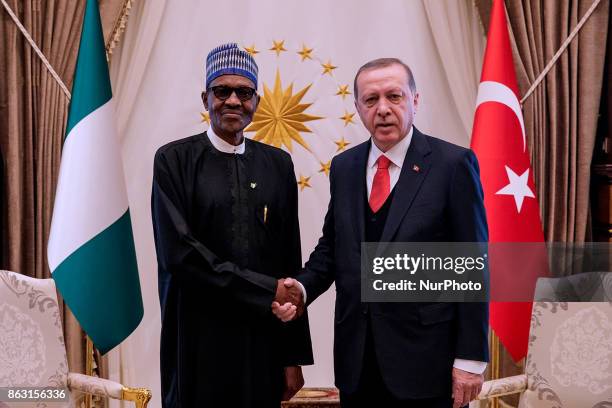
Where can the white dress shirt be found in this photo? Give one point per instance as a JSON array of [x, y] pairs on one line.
[[396, 155], [222, 146]]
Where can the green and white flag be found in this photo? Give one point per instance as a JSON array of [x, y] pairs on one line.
[[91, 246]]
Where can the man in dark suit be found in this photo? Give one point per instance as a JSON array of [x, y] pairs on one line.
[[399, 186]]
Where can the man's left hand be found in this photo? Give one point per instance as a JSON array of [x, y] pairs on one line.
[[466, 387], [294, 381]]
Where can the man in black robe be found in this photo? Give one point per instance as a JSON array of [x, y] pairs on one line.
[[226, 230]]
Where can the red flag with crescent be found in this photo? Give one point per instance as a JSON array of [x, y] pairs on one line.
[[500, 143]]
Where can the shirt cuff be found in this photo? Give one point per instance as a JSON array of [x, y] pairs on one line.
[[302, 289], [471, 366]]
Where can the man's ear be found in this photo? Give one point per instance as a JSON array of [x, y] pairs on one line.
[[205, 99], [415, 102]]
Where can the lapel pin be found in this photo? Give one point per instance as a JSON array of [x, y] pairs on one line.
[[416, 168], [253, 185]]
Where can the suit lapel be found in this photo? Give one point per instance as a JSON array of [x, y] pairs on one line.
[[358, 189], [414, 170]]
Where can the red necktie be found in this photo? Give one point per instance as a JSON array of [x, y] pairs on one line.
[[381, 185]]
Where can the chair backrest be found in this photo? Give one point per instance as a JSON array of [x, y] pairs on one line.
[[581, 287], [569, 363], [32, 349]]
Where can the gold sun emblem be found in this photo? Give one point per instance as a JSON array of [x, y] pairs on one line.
[[280, 116]]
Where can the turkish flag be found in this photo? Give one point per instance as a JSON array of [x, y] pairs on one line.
[[513, 213]]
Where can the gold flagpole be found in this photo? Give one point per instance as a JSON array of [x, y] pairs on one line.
[[89, 367], [495, 364]]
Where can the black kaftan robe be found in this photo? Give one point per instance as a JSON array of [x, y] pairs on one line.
[[219, 257]]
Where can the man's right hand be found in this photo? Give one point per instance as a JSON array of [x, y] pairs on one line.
[[466, 387], [288, 303], [288, 292]]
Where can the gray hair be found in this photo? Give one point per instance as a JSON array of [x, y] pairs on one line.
[[383, 63]]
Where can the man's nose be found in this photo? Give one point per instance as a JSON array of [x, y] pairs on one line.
[[383, 109], [233, 100]]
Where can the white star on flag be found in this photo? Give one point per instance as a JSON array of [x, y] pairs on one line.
[[518, 187]]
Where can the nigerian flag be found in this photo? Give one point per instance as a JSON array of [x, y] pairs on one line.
[[91, 247]]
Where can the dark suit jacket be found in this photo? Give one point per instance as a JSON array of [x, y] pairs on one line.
[[415, 343]]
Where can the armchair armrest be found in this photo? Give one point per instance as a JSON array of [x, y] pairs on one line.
[[503, 386], [108, 388]]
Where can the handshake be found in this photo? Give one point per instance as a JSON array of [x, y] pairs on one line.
[[288, 303]]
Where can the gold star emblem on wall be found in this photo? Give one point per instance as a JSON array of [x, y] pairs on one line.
[[303, 182], [341, 144], [305, 53], [328, 67], [251, 50], [343, 91], [280, 117], [325, 167], [347, 118], [205, 117], [278, 47]]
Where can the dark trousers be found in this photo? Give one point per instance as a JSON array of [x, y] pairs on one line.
[[373, 393]]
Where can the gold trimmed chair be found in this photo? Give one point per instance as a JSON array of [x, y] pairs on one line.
[[32, 348], [569, 360]]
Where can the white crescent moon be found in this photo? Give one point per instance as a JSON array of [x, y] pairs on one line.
[[490, 91]]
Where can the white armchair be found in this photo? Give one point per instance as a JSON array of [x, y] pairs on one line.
[[569, 361], [32, 349]]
